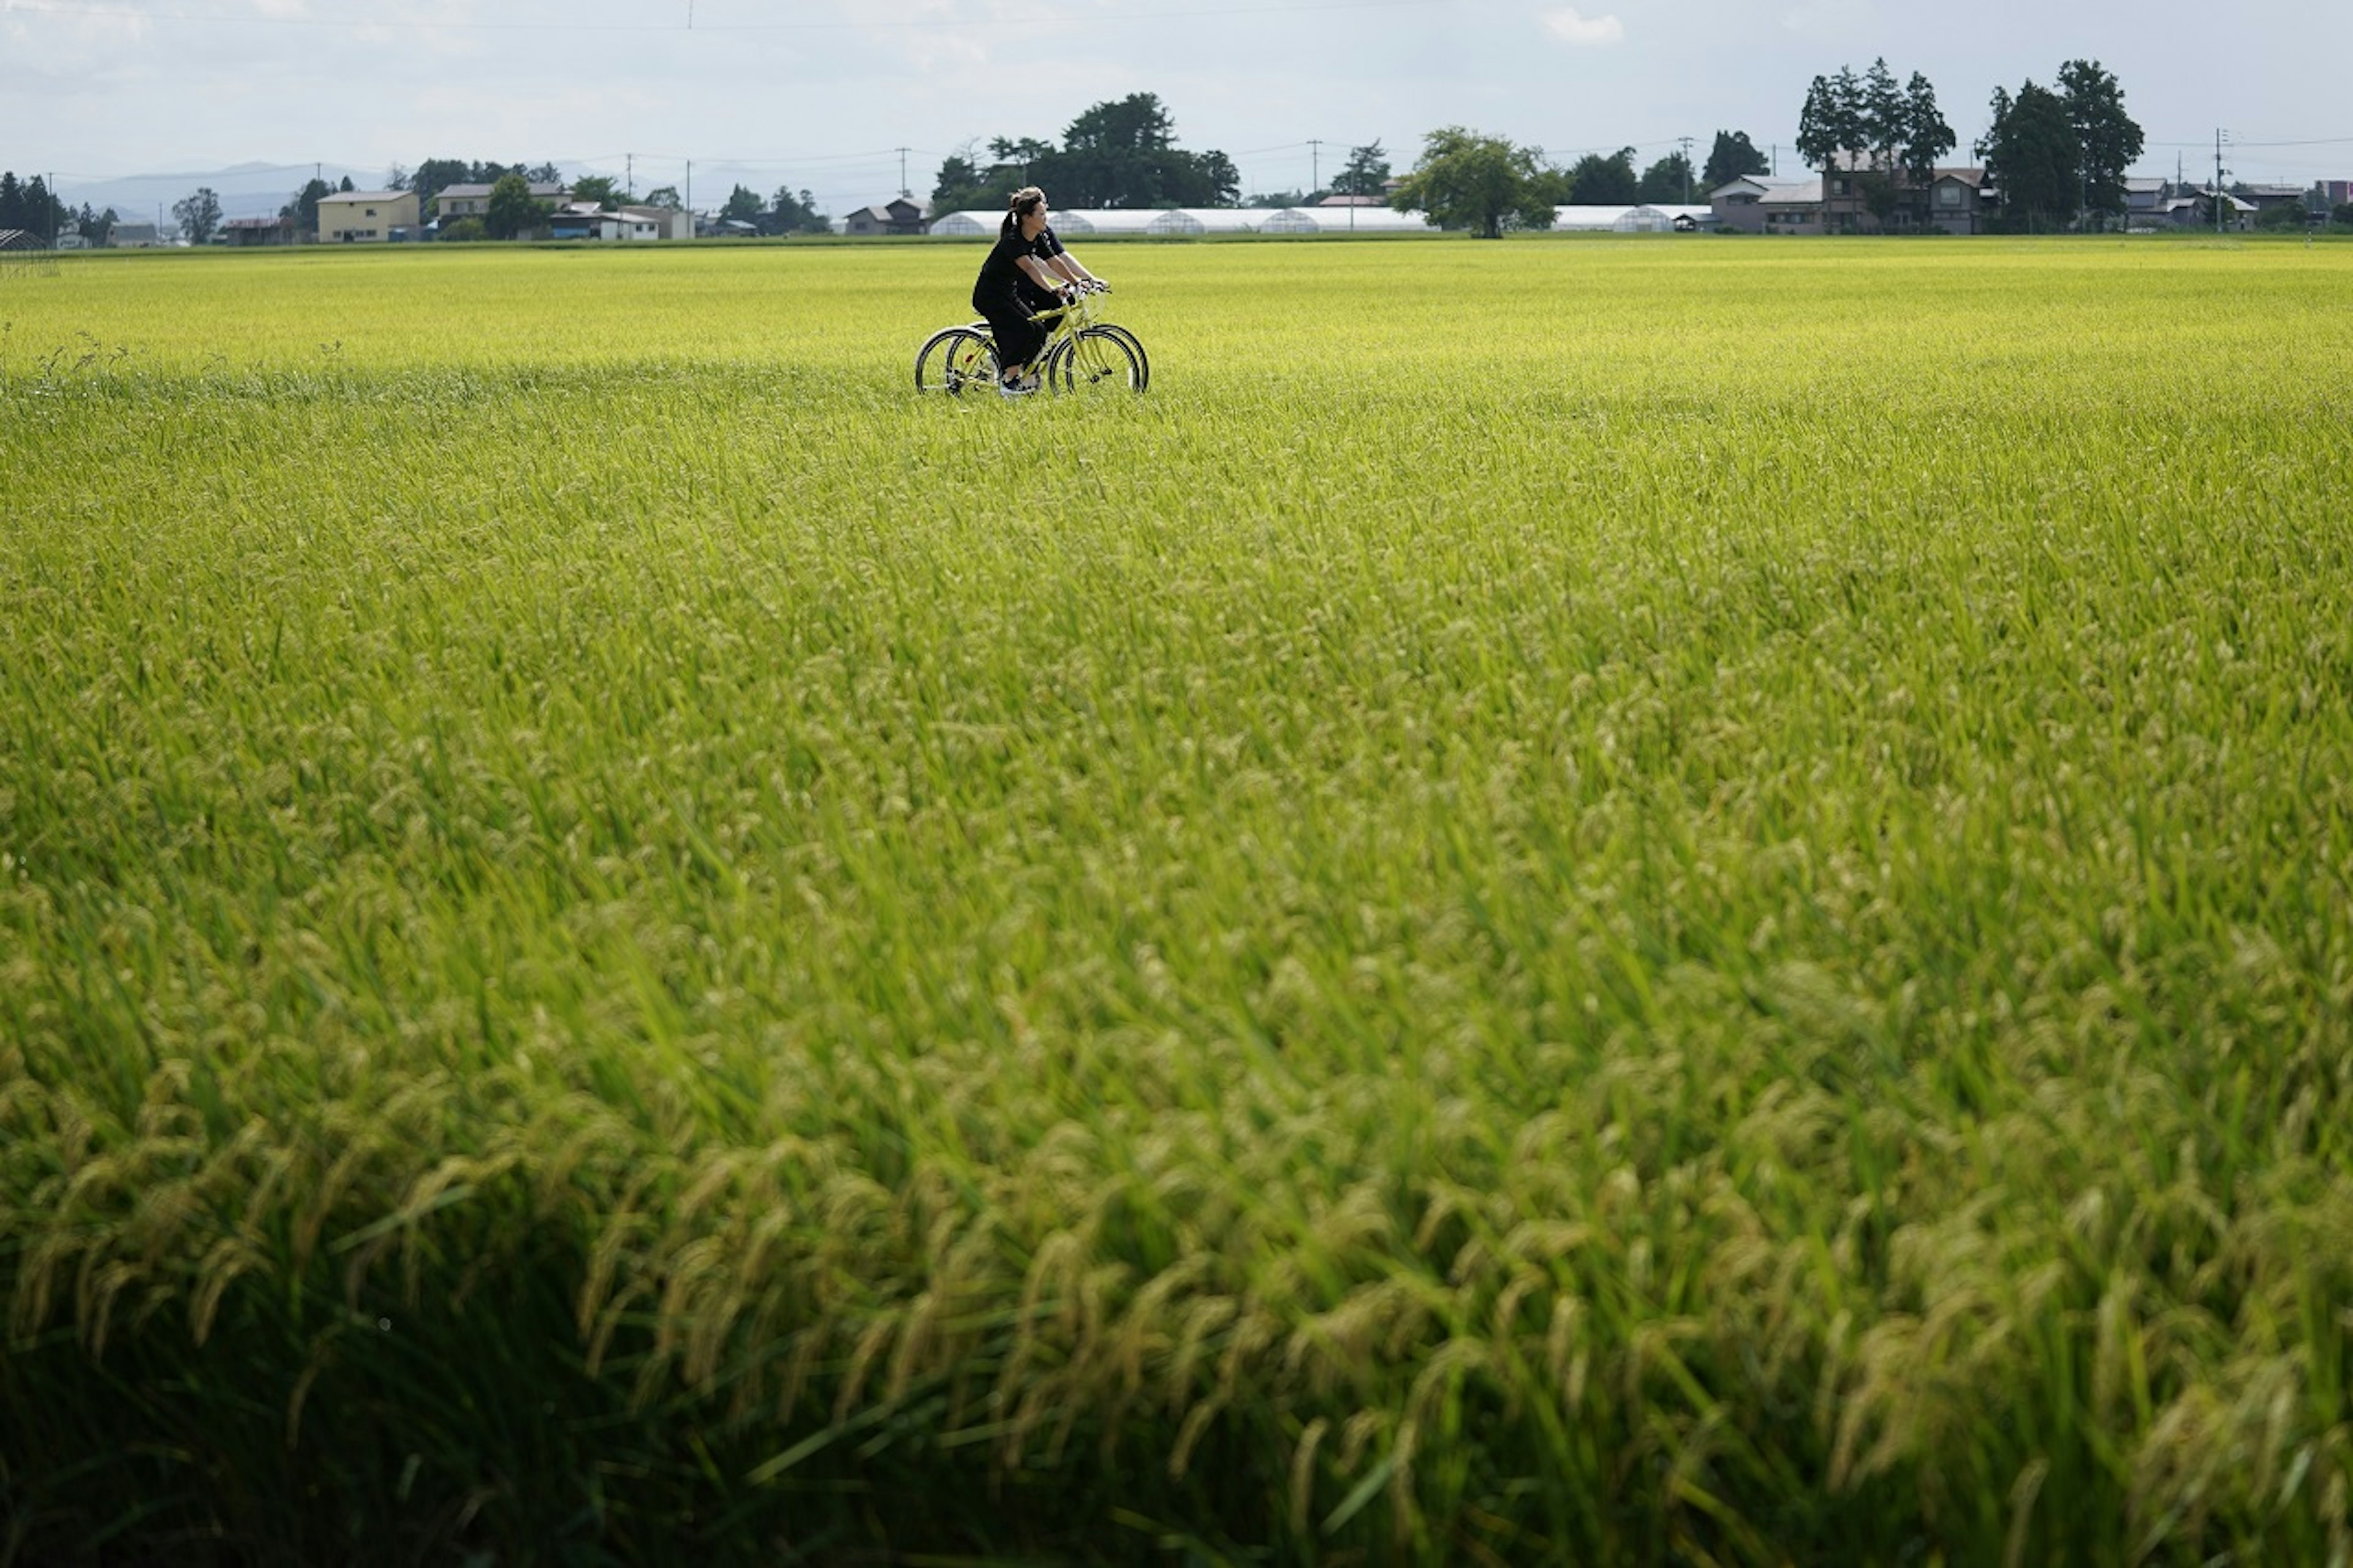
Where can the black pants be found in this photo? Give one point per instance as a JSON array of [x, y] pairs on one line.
[[1008, 312]]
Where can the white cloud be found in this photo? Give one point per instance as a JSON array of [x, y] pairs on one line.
[[1573, 28]]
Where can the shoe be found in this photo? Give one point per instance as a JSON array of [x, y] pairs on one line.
[[1014, 389]]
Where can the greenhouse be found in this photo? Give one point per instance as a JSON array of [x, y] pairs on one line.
[[1187, 222], [1643, 218]]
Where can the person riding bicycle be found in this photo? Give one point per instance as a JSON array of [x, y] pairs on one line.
[[1027, 272]]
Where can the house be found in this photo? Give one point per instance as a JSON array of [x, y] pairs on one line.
[[2196, 210], [366, 218], [134, 236], [669, 223], [245, 232], [1959, 200], [898, 215], [586, 220], [2266, 198], [1740, 205], [1953, 200], [473, 201], [1795, 208]]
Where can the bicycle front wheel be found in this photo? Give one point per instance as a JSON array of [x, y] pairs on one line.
[[953, 360], [1096, 359], [1143, 359]]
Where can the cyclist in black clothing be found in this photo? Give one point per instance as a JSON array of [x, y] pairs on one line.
[[1027, 272]]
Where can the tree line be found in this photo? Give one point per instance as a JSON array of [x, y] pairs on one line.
[[30, 205], [1123, 152]]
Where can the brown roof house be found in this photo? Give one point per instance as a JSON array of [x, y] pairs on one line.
[[901, 215]]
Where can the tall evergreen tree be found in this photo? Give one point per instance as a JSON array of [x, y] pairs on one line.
[[1732, 155], [2032, 157], [2106, 139]]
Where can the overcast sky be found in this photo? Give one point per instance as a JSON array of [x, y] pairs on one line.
[[819, 94]]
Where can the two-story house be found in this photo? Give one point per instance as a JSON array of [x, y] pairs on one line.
[[1759, 204], [366, 217], [1952, 201]]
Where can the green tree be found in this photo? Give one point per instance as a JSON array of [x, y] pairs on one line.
[[791, 212], [96, 226], [963, 185], [2106, 139], [304, 208], [1599, 180], [1883, 115], [664, 196], [198, 214], [435, 175], [2342, 214], [2286, 216], [1669, 180], [1732, 155], [1222, 182], [1831, 121], [743, 206], [602, 189], [1483, 183], [2031, 156], [1926, 137], [1122, 153], [513, 210], [1020, 158], [1367, 172]]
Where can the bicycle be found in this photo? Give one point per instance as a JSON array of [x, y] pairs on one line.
[[1083, 352]]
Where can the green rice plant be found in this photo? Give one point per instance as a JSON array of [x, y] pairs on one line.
[[1639, 901]]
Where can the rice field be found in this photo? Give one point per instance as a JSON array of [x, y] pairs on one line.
[[1653, 900]]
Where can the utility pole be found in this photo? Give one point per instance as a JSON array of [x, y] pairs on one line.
[[2219, 171], [629, 175], [1315, 165], [1687, 168], [903, 191], [689, 198]]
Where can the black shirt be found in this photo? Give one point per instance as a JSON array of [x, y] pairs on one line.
[[1002, 272]]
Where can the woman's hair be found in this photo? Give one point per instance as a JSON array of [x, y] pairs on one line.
[[1021, 204]]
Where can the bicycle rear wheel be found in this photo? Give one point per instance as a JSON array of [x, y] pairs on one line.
[[953, 360], [1096, 359]]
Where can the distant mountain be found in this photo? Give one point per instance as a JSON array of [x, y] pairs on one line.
[[245, 190]]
